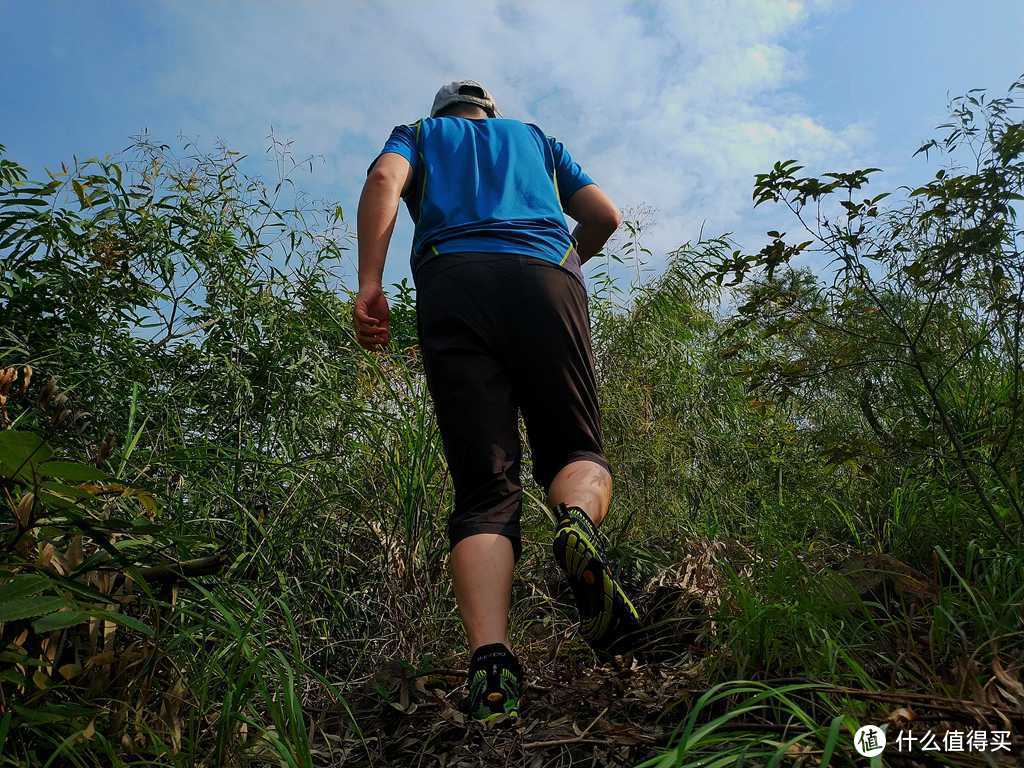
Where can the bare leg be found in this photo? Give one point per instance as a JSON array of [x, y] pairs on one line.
[[584, 484], [482, 567]]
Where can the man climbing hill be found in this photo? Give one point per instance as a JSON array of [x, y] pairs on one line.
[[503, 328]]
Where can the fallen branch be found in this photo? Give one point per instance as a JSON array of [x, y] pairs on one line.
[[924, 700], [562, 742], [171, 572], [572, 740]]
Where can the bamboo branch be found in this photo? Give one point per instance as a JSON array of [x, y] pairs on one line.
[[171, 572]]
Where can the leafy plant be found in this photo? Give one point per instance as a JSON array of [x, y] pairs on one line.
[[921, 325]]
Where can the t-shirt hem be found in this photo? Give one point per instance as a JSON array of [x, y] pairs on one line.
[[585, 181], [400, 151]]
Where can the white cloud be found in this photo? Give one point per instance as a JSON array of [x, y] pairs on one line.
[[676, 106]]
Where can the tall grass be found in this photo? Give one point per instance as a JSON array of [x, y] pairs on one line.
[[245, 527]]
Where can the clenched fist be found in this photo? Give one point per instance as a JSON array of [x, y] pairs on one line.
[[371, 318]]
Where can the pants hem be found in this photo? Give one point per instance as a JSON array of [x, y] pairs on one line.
[[594, 456], [465, 530]]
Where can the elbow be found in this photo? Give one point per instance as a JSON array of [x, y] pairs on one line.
[[615, 220], [381, 181], [604, 224], [610, 221]]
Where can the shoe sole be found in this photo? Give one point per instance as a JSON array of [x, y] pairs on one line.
[[498, 698], [498, 717], [595, 591]]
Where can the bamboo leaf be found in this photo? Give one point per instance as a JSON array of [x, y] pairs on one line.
[[29, 607]]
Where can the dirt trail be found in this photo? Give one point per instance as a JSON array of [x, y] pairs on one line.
[[578, 713], [575, 714]]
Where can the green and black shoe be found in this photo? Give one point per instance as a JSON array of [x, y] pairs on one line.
[[495, 684], [608, 621]]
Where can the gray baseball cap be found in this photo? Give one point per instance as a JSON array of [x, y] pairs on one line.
[[467, 92]]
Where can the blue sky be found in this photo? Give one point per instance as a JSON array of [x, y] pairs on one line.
[[672, 105]]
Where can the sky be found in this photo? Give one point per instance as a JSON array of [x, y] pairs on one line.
[[671, 106]]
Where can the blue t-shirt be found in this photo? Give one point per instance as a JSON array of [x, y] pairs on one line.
[[487, 186]]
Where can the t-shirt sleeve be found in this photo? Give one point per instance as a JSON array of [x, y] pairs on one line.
[[568, 174], [402, 141]]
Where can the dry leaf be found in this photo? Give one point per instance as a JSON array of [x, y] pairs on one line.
[[24, 510], [171, 713], [26, 372], [73, 555], [69, 671], [109, 630], [902, 715], [1010, 683]]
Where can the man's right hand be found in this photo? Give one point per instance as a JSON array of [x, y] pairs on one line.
[[371, 318]]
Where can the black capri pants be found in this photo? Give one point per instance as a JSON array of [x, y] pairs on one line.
[[502, 334]]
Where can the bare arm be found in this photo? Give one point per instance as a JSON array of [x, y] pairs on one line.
[[378, 210], [598, 219], [375, 222]]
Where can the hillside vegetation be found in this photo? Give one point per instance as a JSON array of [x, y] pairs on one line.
[[222, 523]]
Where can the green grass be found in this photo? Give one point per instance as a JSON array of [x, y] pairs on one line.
[[209, 395]]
